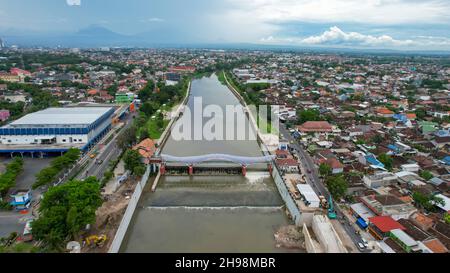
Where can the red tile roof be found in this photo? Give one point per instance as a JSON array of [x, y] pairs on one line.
[[334, 163], [146, 148], [385, 223], [287, 162], [436, 246], [315, 126]]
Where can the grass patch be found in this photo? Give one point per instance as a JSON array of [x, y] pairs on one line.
[[154, 127], [20, 248]]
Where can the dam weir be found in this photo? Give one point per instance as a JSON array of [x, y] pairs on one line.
[[225, 212]]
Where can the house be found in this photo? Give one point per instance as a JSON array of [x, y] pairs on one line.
[[380, 226], [4, 115], [388, 205], [287, 164], [404, 240], [440, 142], [379, 179], [435, 246], [19, 72], [362, 214], [7, 77], [146, 149], [446, 206], [335, 165], [315, 127], [384, 112]]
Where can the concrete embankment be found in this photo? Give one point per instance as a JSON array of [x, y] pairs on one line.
[[276, 175], [126, 219]]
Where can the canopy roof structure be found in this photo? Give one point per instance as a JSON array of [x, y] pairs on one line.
[[242, 160]]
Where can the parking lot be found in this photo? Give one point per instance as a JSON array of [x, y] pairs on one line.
[[12, 221]]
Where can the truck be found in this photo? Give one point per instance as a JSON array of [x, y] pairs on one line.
[[323, 202]]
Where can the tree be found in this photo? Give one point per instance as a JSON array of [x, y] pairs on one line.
[[127, 138], [146, 92], [386, 160], [47, 175], [65, 210], [426, 175], [133, 162], [139, 170], [8, 178], [308, 115], [325, 170], [427, 202], [337, 186], [377, 139], [447, 218]]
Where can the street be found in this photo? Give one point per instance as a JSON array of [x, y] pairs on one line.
[[108, 153], [312, 178]]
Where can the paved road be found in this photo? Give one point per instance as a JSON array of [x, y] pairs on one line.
[[12, 221], [109, 153], [317, 183]]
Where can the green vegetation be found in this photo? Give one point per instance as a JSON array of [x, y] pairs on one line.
[[8, 178], [133, 163], [434, 84], [325, 170], [127, 138], [337, 185], [308, 115], [221, 77], [155, 99], [386, 160], [20, 247], [66, 210], [40, 99], [47, 175], [427, 202], [426, 175], [447, 218]]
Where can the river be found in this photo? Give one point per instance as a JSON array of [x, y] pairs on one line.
[[208, 213]]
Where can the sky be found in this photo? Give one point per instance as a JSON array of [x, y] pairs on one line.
[[389, 24]]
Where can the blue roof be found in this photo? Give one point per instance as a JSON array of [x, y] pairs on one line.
[[393, 147], [447, 160], [361, 223], [400, 117], [374, 161]]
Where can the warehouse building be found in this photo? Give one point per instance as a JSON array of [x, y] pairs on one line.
[[56, 130]]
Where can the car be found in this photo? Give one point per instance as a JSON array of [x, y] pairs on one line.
[[366, 244], [361, 246], [309, 171]]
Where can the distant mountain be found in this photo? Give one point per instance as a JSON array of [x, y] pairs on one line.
[[98, 36], [95, 31], [92, 36]]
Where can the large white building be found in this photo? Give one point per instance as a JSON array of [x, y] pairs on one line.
[[56, 130]]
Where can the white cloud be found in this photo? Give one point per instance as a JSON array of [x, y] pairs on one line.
[[152, 20], [382, 12], [337, 37], [73, 2]]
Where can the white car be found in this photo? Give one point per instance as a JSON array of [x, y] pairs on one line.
[[361, 246], [366, 244]]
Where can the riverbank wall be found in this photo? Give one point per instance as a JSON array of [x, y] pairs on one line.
[[128, 216], [291, 206]]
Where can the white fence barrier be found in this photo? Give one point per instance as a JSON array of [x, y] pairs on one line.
[[126, 219]]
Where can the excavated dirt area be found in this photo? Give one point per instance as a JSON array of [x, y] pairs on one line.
[[109, 215], [290, 237]]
